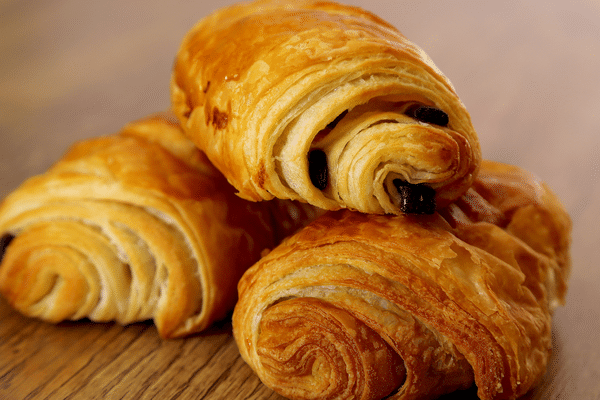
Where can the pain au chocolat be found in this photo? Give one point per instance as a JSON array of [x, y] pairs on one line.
[[359, 306], [323, 103], [134, 226]]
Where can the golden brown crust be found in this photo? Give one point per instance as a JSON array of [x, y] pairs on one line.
[[133, 226], [256, 85], [464, 296]]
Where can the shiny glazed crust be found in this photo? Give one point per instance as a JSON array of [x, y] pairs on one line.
[[364, 306], [134, 226], [259, 85]]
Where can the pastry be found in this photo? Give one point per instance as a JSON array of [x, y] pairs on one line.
[[134, 226], [323, 103], [411, 307]]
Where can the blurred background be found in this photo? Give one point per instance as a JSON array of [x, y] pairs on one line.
[[528, 72]]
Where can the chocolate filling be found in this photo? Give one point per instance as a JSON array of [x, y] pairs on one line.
[[415, 198], [4, 242], [317, 168], [427, 114]]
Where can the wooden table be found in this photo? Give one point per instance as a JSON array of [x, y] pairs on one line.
[[527, 71]]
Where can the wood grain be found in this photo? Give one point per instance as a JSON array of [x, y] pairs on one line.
[[100, 361], [107, 361], [527, 72], [83, 360]]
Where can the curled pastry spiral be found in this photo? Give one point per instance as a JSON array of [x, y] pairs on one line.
[[133, 226], [323, 103], [359, 306]]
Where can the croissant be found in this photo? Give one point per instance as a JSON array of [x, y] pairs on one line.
[[323, 103], [358, 306], [134, 226]]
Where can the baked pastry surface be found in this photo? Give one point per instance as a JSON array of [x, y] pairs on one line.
[[323, 103], [134, 226], [412, 307]]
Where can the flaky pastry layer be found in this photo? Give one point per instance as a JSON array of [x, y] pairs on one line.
[[134, 226], [261, 85], [411, 307]]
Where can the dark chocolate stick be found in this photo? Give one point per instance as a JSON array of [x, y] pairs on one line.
[[4, 242], [317, 168], [427, 114], [415, 198]]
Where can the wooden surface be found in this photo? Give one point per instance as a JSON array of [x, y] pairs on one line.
[[527, 71]]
